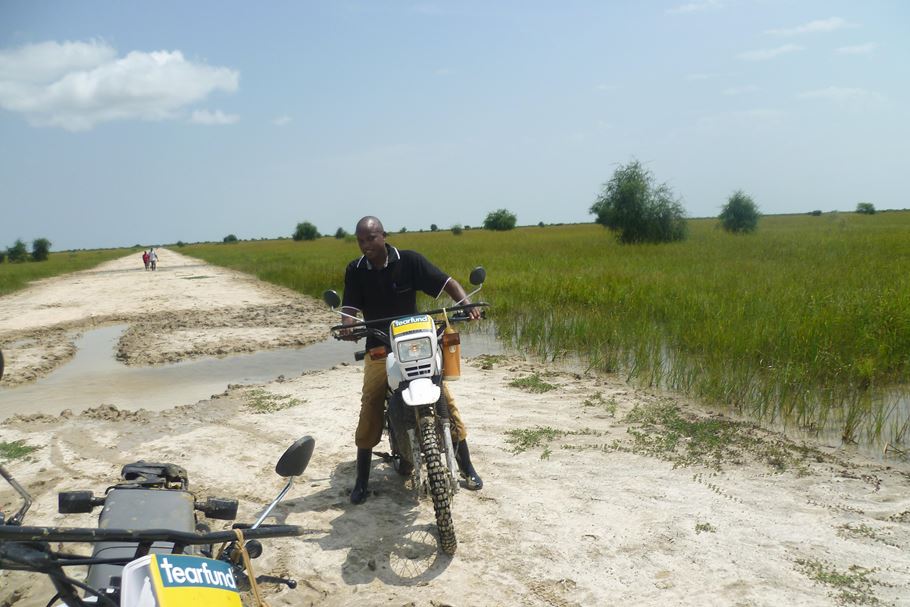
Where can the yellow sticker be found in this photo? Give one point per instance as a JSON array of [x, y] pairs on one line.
[[187, 581], [412, 324]]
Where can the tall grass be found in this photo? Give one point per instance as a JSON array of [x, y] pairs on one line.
[[15, 276], [805, 321]]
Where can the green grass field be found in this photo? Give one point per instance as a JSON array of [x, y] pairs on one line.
[[15, 276], [806, 321]]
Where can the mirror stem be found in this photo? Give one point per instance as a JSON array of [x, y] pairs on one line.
[[469, 295], [274, 503]]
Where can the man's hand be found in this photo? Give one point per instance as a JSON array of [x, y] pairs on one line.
[[345, 332], [474, 313]]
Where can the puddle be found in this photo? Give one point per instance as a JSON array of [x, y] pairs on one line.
[[94, 377]]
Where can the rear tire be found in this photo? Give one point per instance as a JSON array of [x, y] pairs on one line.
[[438, 485]]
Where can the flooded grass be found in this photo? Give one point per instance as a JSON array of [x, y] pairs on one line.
[[806, 322]]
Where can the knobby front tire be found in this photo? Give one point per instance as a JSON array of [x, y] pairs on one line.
[[439, 486]]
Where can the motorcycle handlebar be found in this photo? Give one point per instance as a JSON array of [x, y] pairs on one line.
[[86, 534], [365, 329]]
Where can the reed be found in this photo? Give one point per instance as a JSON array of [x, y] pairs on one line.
[[806, 321]]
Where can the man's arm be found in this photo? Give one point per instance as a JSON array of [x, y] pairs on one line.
[[457, 293]]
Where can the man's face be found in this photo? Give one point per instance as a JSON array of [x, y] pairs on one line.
[[372, 244]]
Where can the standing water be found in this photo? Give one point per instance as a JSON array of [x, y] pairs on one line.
[[94, 376]]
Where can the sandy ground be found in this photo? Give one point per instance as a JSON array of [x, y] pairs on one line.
[[604, 509]]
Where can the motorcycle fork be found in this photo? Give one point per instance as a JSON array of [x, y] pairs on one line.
[[450, 456], [416, 455]]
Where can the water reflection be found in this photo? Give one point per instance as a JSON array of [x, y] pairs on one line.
[[95, 377]]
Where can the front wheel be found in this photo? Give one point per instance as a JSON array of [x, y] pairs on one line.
[[437, 477]]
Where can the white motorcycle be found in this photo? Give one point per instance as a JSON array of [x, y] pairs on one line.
[[420, 351]]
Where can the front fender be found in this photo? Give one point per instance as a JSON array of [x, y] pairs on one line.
[[420, 392]]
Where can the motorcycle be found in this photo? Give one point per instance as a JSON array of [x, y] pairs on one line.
[[415, 347], [149, 548]]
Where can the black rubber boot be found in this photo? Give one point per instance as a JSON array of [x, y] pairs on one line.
[[463, 457], [359, 493]]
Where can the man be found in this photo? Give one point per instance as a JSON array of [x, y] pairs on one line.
[[383, 283]]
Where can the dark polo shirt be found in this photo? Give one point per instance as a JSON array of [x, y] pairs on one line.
[[390, 291]]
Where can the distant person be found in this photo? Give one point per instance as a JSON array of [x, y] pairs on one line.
[[145, 259], [153, 259]]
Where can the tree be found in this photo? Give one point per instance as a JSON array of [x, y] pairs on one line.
[[501, 219], [340, 233], [17, 252], [633, 206], [540, 224], [306, 231], [40, 249], [230, 238], [866, 208], [434, 227], [740, 214], [2, 256], [457, 229]]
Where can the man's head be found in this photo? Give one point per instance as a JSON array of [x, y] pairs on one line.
[[371, 240]]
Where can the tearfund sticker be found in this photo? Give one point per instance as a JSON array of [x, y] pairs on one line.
[[412, 324], [174, 580]]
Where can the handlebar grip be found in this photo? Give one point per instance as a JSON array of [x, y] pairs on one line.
[[360, 355]]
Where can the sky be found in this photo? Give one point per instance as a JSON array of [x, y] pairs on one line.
[[149, 123]]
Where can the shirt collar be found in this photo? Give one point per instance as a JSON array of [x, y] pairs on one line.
[[393, 256]]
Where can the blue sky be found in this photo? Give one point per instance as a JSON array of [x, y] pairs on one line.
[[153, 122]]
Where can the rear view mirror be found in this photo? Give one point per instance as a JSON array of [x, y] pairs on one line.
[[1, 364], [331, 299], [295, 459], [478, 275]]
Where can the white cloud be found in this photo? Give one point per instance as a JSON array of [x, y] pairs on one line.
[[854, 98], [741, 90], [77, 85], [281, 120], [769, 53], [820, 25], [210, 118], [695, 7], [858, 49]]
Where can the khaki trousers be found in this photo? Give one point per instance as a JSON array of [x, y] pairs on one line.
[[372, 402]]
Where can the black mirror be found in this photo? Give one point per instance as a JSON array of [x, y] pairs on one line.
[[478, 275], [331, 299], [1, 364], [295, 459]]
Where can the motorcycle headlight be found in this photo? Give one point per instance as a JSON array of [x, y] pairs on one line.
[[415, 349]]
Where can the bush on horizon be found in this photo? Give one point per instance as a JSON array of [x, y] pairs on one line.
[[41, 248], [500, 220], [306, 231], [865, 208], [340, 233], [638, 210], [17, 253], [740, 214], [230, 238]]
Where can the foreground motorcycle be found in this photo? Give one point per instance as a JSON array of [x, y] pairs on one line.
[[149, 550], [420, 351]]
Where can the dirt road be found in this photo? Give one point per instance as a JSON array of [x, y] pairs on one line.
[[596, 493]]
